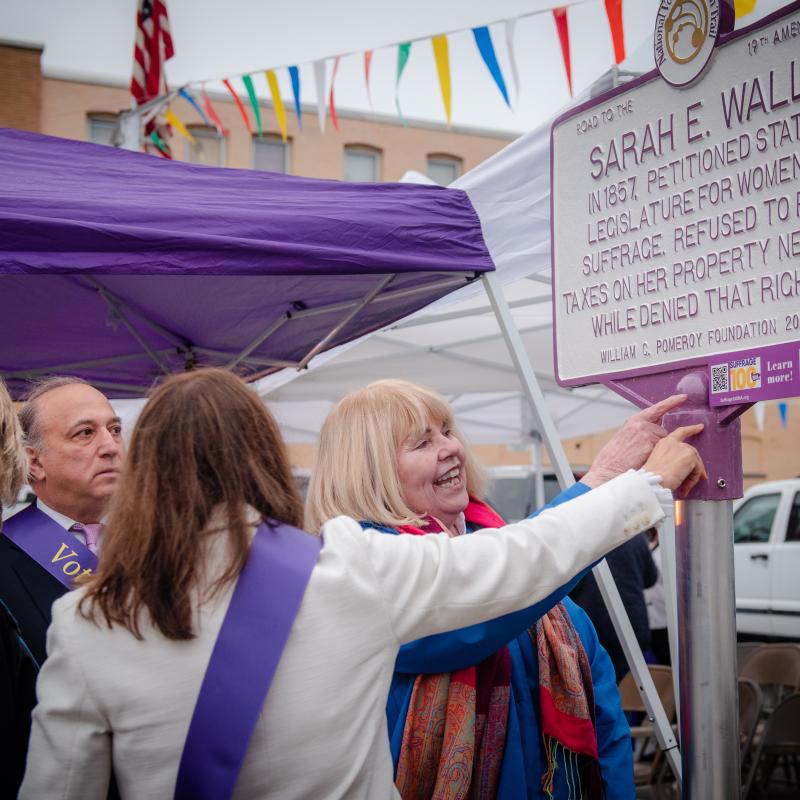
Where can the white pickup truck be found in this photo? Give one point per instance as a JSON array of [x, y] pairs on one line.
[[766, 536]]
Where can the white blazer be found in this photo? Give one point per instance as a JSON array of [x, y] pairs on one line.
[[106, 697]]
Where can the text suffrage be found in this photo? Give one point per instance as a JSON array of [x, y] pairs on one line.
[[676, 215]]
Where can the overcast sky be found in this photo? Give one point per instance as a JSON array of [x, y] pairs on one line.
[[216, 39]]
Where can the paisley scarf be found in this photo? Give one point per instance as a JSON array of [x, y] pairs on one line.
[[455, 729]]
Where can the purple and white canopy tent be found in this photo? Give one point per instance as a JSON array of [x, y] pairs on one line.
[[120, 268]]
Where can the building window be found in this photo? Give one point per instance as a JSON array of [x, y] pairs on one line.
[[207, 147], [101, 128], [362, 164], [270, 153], [443, 169]]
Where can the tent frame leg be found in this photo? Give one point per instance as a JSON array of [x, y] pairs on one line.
[[605, 581]]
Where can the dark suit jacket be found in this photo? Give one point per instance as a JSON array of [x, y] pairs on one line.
[[634, 571], [17, 699], [29, 591]]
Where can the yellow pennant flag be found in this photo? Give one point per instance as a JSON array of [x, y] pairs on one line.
[[743, 7], [172, 118], [443, 68], [280, 111]]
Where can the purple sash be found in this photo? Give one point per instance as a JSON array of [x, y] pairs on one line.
[[49, 545], [249, 645]]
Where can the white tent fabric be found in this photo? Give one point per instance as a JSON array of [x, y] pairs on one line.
[[455, 345]]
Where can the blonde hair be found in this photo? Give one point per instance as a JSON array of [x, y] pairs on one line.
[[13, 461], [356, 469]]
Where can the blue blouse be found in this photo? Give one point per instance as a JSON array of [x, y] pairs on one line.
[[524, 761]]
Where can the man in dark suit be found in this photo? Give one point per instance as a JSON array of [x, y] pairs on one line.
[[75, 450], [634, 571]]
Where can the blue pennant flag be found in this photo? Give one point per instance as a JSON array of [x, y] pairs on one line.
[[484, 41], [192, 102], [295, 76]]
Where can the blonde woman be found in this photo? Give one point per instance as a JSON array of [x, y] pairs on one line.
[[17, 667], [524, 706], [204, 511]]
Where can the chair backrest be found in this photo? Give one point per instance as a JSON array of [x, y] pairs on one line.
[[781, 735], [750, 702], [631, 699], [783, 725], [774, 665], [743, 652]]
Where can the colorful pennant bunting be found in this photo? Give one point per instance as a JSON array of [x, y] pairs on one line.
[[403, 52], [614, 14], [331, 102], [192, 102], [486, 48], [511, 27], [440, 54], [212, 112], [277, 102], [242, 109], [743, 7], [783, 411], [294, 74], [251, 93], [319, 79], [172, 118], [562, 26]]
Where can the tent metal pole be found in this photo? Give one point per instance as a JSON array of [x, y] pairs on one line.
[[605, 581], [119, 304], [95, 362], [259, 340], [117, 309], [538, 477], [363, 303], [468, 312]]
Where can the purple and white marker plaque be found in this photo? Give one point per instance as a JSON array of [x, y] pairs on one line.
[[676, 223]]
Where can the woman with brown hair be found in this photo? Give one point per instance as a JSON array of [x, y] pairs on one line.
[[156, 666]]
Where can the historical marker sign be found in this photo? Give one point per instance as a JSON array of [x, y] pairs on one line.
[[676, 220]]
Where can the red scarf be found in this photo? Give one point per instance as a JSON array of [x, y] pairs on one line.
[[446, 752], [455, 729]]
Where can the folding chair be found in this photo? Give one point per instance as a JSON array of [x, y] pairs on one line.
[[647, 772], [776, 669], [779, 746], [750, 703]]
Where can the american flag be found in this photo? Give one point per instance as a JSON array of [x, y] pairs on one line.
[[152, 48]]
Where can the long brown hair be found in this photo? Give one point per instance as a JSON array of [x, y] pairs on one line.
[[203, 441]]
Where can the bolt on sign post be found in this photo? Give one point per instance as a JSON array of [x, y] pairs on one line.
[[676, 267]]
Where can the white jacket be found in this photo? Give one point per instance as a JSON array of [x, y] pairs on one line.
[[106, 697]]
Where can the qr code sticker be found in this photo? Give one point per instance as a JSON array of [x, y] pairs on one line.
[[719, 378]]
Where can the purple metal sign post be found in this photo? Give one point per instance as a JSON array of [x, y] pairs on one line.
[[705, 584]]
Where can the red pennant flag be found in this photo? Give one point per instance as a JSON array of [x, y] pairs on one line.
[[239, 105], [367, 65], [332, 105], [212, 113], [562, 26], [614, 14]]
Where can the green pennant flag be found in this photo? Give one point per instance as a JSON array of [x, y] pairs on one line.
[[403, 51], [159, 143], [251, 93]]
